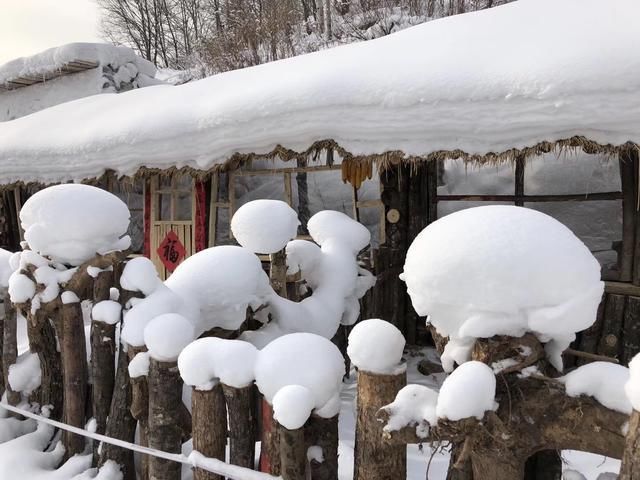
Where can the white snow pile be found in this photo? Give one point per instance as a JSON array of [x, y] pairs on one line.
[[468, 392], [603, 381], [331, 271], [265, 226], [25, 375], [106, 311], [502, 270], [632, 387], [55, 58], [166, 336], [207, 361], [376, 346], [5, 267], [474, 92], [71, 223], [212, 288], [303, 360], [48, 275]]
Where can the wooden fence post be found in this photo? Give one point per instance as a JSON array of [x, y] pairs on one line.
[[270, 451], [375, 460], [165, 397], [140, 409], [74, 366], [103, 347], [242, 425], [323, 433], [209, 419], [630, 469], [9, 348], [293, 453], [278, 272]]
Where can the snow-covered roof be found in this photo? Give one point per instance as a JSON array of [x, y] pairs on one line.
[[490, 81], [65, 60]]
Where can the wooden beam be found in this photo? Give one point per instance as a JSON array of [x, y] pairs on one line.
[[533, 198]]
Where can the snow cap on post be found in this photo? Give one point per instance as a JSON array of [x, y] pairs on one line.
[[265, 226], [206, 361], [502, 270], [5, 267], [167, 335], [303, 359], [140, 275], [292, 406], [71, 223], [468, 392], [376, 346]]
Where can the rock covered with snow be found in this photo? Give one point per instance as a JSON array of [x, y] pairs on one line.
[[469, 391], [264, 226], [305, 360], [502, 270], [71, 223], [603, 381], [376, 346], [632, 387], [167, 335], [209, 360]]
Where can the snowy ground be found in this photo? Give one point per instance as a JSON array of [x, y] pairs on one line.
[[24, 457]]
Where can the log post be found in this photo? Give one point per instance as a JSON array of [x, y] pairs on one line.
[[74, 365], [242, 425], [209, 416], [270, 451], [630, 469], [140, 409], [9, 348], [120, 423], [374, 459], [103, 346], [165, 397], [293, 454], [278, 272], [323, 433]]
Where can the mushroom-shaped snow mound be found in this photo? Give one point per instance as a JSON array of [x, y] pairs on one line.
[[222, 282], [167, 335], [71, 223], [331, 225], [265, 226], [502, 270], [303, 359], [376, 346]]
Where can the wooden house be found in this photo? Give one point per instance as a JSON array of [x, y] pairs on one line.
[[375, 130]]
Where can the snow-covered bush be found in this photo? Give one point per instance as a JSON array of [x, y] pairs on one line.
[[502, 270]]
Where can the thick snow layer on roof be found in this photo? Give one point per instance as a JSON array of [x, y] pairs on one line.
[[481, 82], [55, 58]]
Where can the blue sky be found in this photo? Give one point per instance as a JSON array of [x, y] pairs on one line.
[[30, 26]]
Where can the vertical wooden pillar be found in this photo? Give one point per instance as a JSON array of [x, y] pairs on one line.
[[323, 432], [103, 347], [74, 366], [165, 397], [270, 451], [9, 348], [278, 272], [293, 454], [629, 184], [209, 427], [630, 469], [242, 425], [139, 408], [375, 460]]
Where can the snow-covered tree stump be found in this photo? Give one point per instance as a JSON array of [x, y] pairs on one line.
[[209, 415], [242, 424]]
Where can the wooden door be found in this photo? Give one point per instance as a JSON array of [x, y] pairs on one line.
[[173, 208]]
